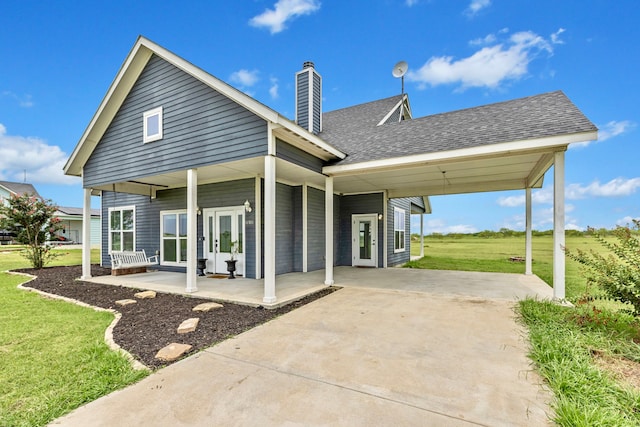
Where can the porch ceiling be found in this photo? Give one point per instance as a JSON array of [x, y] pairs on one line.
[[506, 171]]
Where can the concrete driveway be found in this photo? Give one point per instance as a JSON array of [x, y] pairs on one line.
[[358, 357]]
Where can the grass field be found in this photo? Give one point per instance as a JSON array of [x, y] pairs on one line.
[[472, 253], [53, 355]]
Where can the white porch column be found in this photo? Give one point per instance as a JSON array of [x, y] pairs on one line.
[[192, 229], [421, 235], [269, 229], [527, 245], [328, 230], [558, 227], [86, 235], [258, 225]]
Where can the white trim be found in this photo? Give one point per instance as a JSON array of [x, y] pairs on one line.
[[86, 234], [257, 222], [145, 117], [269, 230], [120, 209], [558, 227], [176, 212], [537, 145], [421, 235], [328, 231], [527, 244], [404, 229], [385, 229], [305, 232], [192, 230], [356, 261]]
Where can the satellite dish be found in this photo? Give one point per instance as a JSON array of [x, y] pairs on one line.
[[400, 69]]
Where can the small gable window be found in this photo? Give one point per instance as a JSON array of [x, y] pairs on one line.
[[152, 125]]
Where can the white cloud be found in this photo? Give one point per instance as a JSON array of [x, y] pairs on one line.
[[476, 6], [411, 2], [489, 67], [283, 11], [439, 226], [626, 221], [617, 187], [610, 130], [24, 101], [538, 197], [486, 40], [43, 163], [273, 90], [245, 77], [555, 37]]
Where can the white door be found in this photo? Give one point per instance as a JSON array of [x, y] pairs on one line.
[[224, 233], [364, 229]]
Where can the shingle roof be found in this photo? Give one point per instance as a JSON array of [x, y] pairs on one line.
[[76, 211], [20, 188], [354, 130]]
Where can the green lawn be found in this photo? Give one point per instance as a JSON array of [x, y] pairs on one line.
[[53, 355], [564, 340]]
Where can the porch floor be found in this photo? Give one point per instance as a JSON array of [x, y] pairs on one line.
[[293, 286]]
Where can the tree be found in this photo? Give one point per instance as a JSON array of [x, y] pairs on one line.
[[33, 221], [617, 273]]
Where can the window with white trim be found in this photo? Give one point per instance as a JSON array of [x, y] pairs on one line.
[[173, 233], [398, 229], [152, 125], [122, 229]]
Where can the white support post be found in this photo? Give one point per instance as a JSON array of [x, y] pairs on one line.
[[527, 244], [258, 225], [328, 230], [86, 235], [305, 254], [269, 229], [558, 227], [421, 235], [192, 229], [385, 228]]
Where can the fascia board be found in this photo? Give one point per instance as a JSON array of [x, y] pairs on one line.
[[555, 142]]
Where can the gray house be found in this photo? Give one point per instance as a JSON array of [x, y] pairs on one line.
[[191, 168]]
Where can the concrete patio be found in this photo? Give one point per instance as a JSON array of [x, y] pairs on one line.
[[293, 286]]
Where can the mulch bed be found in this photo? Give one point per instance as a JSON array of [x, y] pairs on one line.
[[151, 324]]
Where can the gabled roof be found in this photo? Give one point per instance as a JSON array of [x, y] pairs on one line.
[[547, 115], [128, 75], [64, 210], [19, 189]]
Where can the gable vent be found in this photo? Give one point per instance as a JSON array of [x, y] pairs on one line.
[[309, 98]]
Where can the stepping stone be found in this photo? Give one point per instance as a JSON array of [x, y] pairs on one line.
[[172, 352], [123, 302], [145, 294], [207, 306], [188, 325]]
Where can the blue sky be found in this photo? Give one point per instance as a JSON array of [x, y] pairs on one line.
[[59, 58]]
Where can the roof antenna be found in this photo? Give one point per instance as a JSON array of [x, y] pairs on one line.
[[399, 70]]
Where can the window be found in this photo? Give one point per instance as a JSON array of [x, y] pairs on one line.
[[122, 223], [398, 230], [152, 125], [173, 232]]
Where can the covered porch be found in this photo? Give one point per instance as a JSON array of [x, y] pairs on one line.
[[294, 286]]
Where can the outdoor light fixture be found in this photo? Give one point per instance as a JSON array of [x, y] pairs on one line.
[[380, 216], [247, 206]]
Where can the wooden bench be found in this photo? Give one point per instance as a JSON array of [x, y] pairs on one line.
[[130, 262]]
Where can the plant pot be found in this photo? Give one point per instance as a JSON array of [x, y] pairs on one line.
[[231, 267]]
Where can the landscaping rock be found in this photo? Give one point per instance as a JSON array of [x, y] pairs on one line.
[[145, 294], [207, 306], [172, 352], [188, 325], [123, 302]]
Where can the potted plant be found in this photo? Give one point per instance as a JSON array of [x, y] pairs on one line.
[[231, 262]]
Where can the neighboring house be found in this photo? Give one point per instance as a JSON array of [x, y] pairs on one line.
[[71, 220], [71, 217], [186, 165]]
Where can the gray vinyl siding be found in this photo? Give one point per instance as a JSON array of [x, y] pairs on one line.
[[315, 229], [317, 104], [417, 204], [394, 117], [298, 157], [357, 204], [297, 227], [284, 229], [394, 258], [200, 127], [302, 100], [147, 236]]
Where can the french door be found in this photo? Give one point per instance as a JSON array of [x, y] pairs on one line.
[[223, 235], [364, 230]]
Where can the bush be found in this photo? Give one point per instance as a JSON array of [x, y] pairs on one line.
[[617, 273]]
